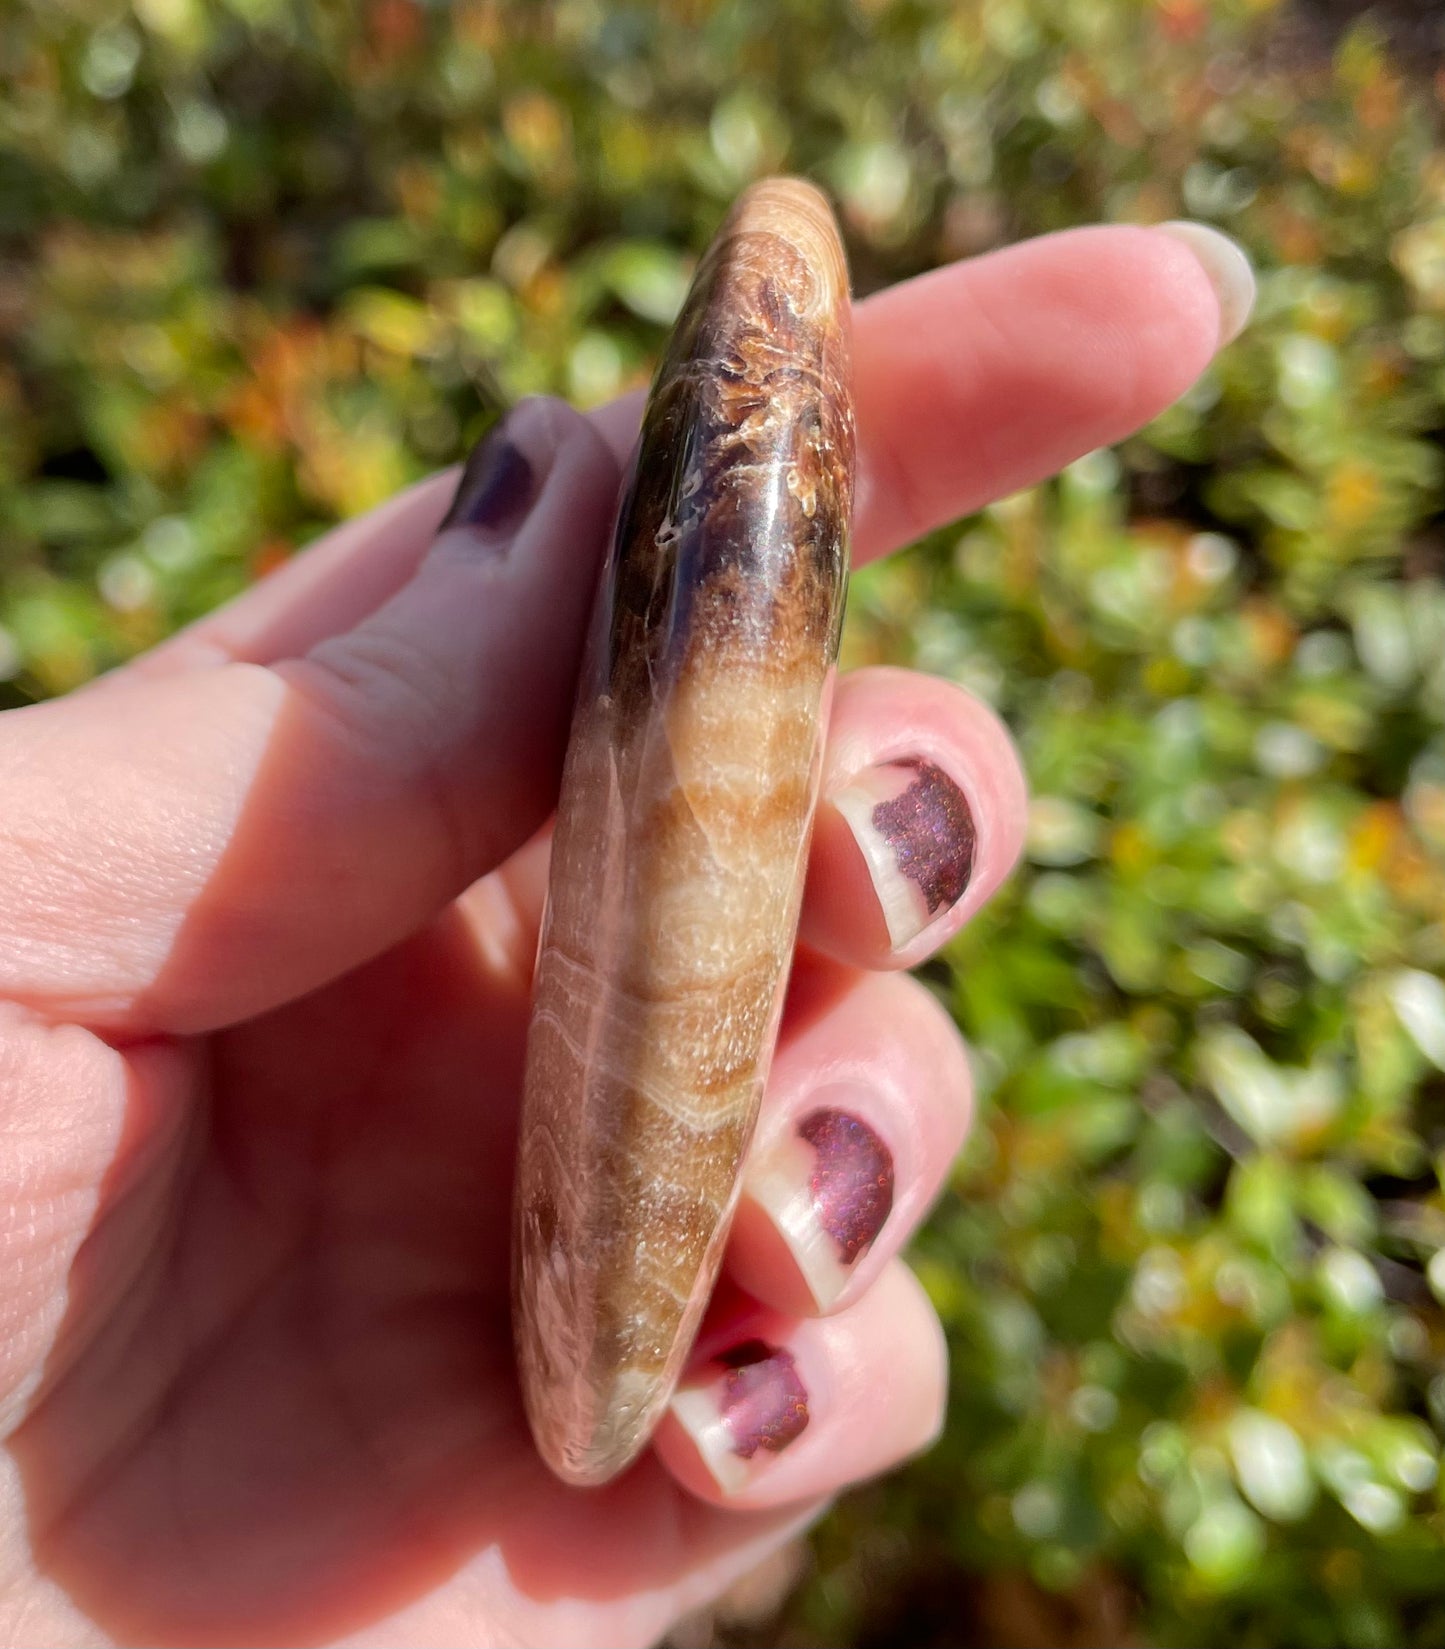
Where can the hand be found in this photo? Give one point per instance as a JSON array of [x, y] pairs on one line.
[[269, 900]]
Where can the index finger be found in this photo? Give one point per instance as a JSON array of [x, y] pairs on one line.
[[972, 381]]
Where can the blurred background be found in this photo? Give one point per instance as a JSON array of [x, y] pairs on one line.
[[264, 262]]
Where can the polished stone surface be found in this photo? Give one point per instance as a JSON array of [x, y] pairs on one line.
[[682, 831]]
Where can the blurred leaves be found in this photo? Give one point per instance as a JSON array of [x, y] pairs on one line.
[[260, 265]]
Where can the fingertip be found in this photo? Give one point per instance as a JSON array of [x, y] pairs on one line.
[[1154, 287], [1227, 268], [865, 1112], [1138, 308], [1025, 358], [930, 1367], [793, 1411], [541, 444], [564, 426], [616, 423], [921, 818]]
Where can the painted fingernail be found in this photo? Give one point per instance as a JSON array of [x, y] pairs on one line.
[[914, 828], [828, 1190], [1229, 270], [748, 1405], [497, 486]]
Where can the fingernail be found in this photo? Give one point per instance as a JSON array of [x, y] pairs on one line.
[[1229, 270], [914, 828], [828, 1189], [749, 1404], [497, 486]]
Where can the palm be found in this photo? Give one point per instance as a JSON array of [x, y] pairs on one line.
[[298, 1418]]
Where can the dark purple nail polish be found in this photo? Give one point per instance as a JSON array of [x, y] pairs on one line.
[[851, 1181], [931, 831], [496, 487], [913, 825], [764, 1403]]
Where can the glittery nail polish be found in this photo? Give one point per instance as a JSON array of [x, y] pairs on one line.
[[852, 1179], [764, 1405], [913, 825], [827, 1188], [750, 1403], [496, 488]]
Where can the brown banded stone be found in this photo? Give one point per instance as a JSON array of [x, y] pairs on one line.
[[682, 831]]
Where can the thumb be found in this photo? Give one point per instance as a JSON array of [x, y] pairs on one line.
[[181, 852]]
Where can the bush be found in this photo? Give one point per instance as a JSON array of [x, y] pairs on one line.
[[265, 263]]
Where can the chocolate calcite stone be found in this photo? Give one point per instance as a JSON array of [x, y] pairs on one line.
[[682, 831]]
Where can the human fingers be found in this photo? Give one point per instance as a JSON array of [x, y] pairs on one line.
[[777, 1410], [867, 1106], [971, 381], [985, 377], [921, 817], [186, 850]]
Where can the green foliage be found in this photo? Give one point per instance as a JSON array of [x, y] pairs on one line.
[[264, 263]]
